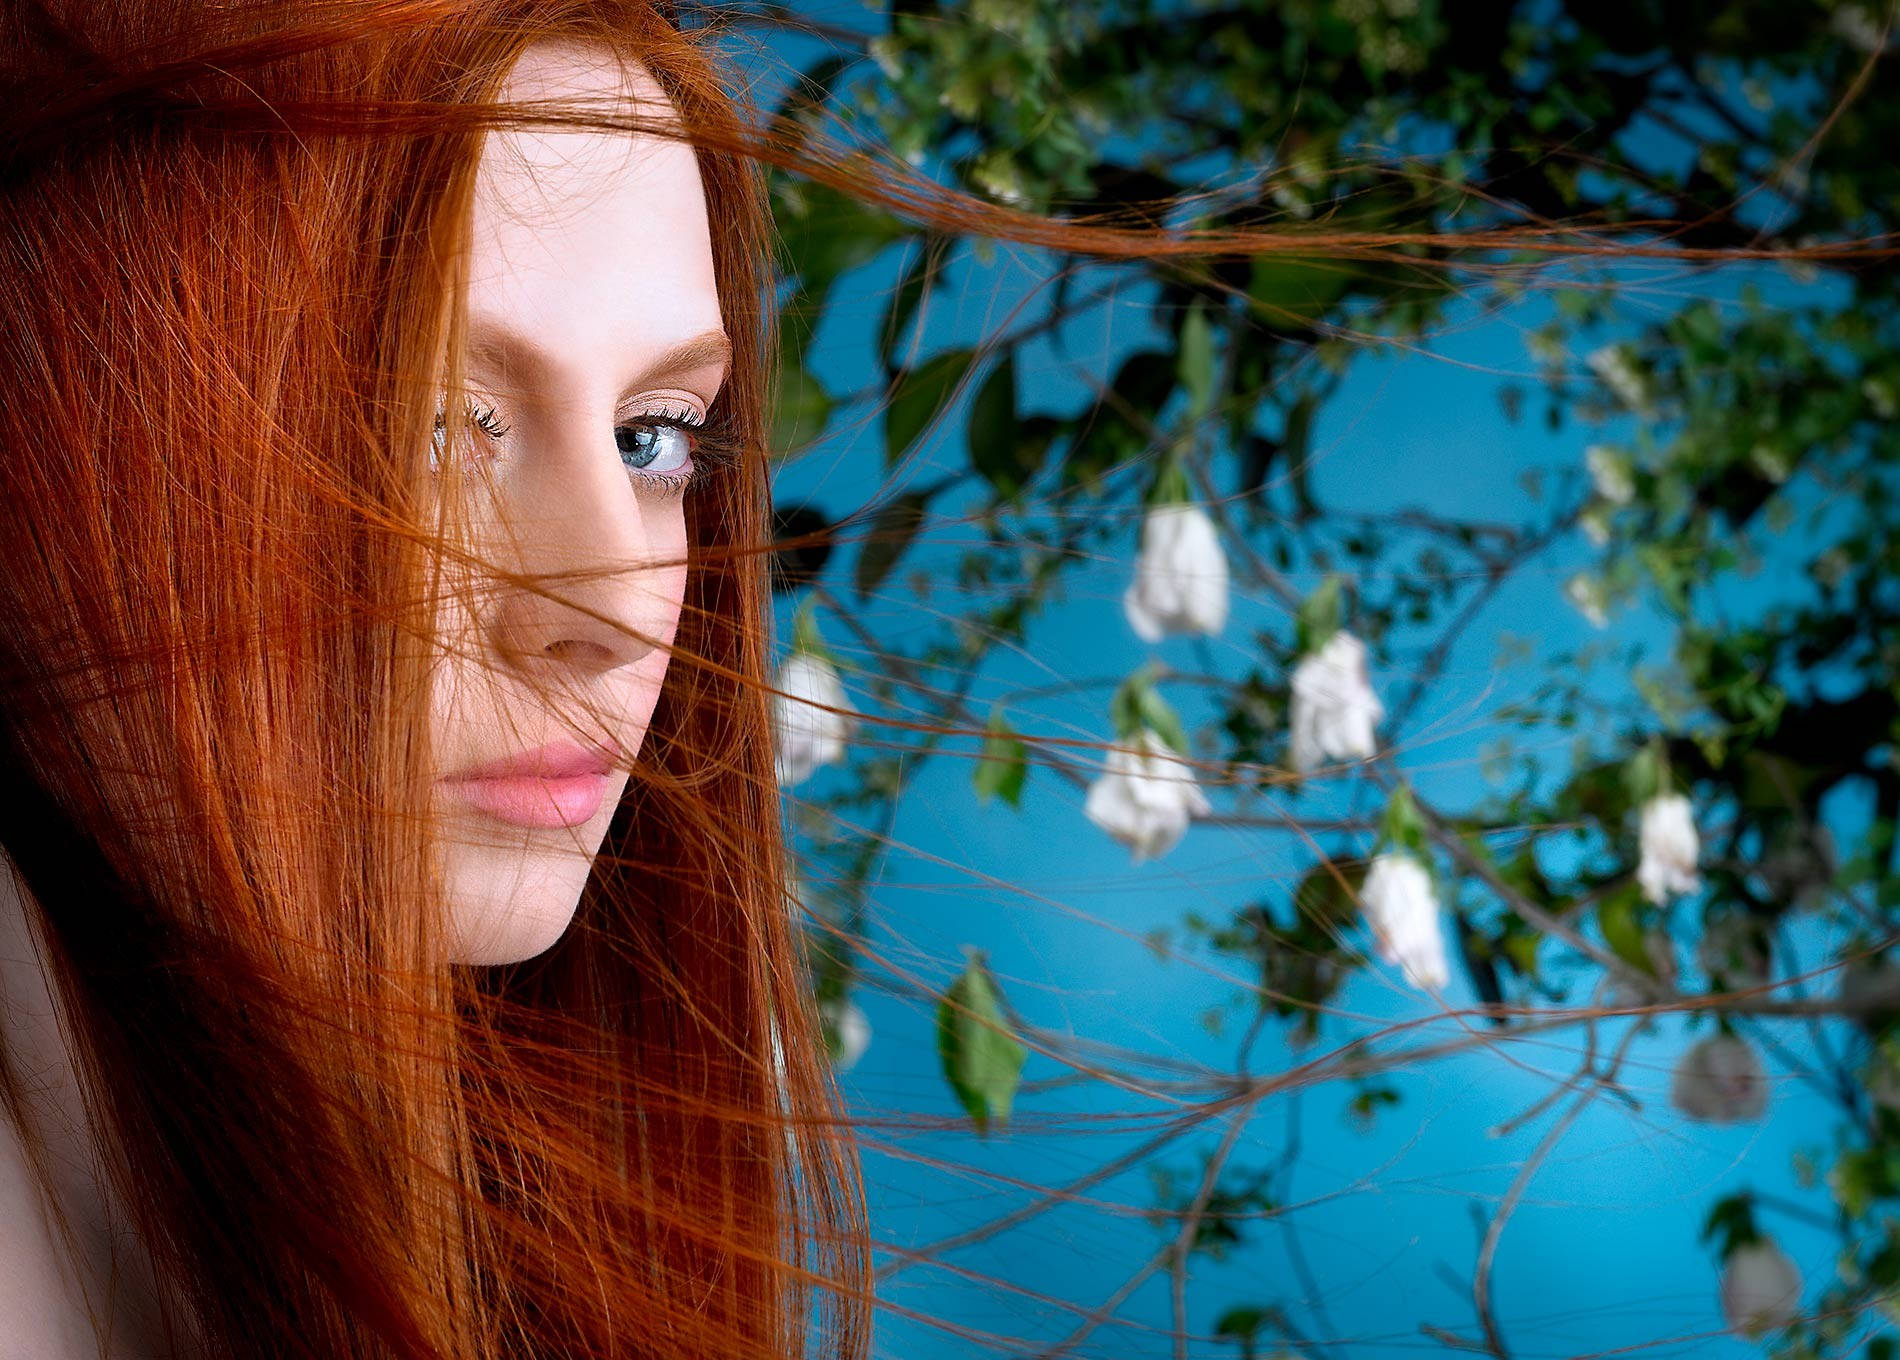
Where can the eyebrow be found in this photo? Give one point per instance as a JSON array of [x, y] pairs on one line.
[[515, 353]]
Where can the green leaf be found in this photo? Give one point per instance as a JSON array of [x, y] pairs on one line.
[[918, 398], [1119, 426], [1124, 708], [1001, 768], [1171, 485], [999, 450], [1293, 448], [805, 635], [826, 232], [1519, 947], [1245, 1324], [1364, 1107], [892, 531], [1621, 919], [1646, 774], [798, 319], [1319, 617], [1403, 828], [800, 405], [1196, 360], [1290, 292], [982, 1061], [1730, 1224], [1856, 1180], [1137, 705], [1159, 715], [1241, 1322], [1329, 894]]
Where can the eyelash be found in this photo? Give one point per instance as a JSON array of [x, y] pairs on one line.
[[708, 445]]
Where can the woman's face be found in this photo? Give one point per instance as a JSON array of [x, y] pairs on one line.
[[594, 326]]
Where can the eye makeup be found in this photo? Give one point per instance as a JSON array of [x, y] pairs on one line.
[[666, 449]]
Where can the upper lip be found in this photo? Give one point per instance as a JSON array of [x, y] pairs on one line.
[[556, 760]]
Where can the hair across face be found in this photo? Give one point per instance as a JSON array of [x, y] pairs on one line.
[[596, 354], [285, 236]]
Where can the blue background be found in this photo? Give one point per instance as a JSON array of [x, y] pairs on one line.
[[1380, 1224]]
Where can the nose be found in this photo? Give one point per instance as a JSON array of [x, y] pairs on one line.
[[567, 505]]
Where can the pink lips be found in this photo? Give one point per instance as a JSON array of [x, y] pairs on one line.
[[560, 784]]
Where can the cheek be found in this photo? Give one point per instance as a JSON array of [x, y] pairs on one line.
[[661, 612], [451, 645], [667, 584]]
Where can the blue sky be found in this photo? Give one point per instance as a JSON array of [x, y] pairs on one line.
[[1601, 1254]]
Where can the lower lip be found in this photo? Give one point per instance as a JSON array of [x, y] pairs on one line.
[[528, 801]]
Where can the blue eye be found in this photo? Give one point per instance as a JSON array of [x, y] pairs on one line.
[[657, 443], [658, 446]]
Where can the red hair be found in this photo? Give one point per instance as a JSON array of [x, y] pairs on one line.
[[230, 263]]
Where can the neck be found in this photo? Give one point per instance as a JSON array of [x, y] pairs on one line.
[[75, 1279]]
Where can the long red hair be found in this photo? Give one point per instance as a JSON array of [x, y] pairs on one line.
[[229, 263], [229, 268]]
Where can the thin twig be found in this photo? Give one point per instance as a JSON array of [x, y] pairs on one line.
[[1481, 1276]]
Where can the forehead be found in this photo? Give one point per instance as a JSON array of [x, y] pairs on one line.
[[591, 242]]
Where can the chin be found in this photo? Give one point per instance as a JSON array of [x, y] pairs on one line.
[[510, 902]]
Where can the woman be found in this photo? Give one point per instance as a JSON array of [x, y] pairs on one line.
[[397, 962]]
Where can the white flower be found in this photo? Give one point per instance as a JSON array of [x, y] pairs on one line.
[[1610, 474], [1146, 797], [1734, 952], [1670, 847], [1616, 367], [1720, 1081], [1595, 524], [1586, 593], [809, 736], [1402, 910], [1334, 709], [1180, 583], [1761, 1289], [847, 1032]]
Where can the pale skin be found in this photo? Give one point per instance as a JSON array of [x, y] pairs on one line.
[[592, 304], [592, 307]]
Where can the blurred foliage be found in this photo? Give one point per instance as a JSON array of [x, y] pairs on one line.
[[1764, 431]]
